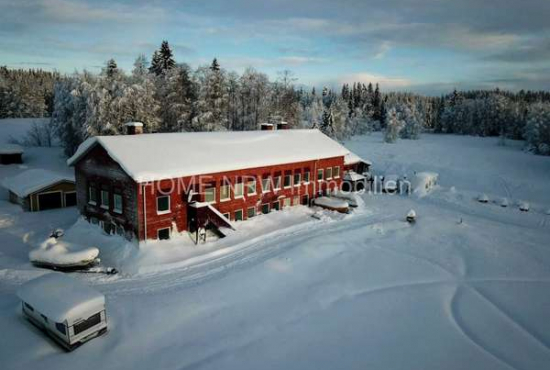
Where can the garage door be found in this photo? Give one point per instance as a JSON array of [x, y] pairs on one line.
[[49, 201], [70, 199]]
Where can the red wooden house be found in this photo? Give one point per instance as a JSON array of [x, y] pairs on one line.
[[147, 186]]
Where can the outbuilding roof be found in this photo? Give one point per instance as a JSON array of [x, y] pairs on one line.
[[11, 149], [352, 158], [149, 157], [60, 298], [31, 181]]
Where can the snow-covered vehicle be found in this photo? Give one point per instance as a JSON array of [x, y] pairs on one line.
[[332, 204], [411, 216], [61, 255], [423, 182], [68, 311], [504, 202], [483, 198], [524, 206], [351, 198]]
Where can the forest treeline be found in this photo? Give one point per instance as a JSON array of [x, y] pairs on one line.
[[168, 96]]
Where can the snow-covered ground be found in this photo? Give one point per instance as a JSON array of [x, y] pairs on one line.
[[464, 287]]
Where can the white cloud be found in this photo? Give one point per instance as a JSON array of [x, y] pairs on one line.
[[385, 82]]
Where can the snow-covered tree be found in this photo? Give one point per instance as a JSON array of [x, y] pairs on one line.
[[394, 124]]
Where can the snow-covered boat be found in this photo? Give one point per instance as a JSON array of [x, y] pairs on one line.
[[61, 255], [333, 204], [524, 206], [70, 312]]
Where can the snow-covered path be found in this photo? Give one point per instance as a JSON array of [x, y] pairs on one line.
[[465, 287]]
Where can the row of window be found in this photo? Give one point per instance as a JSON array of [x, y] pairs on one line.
[[289, 180], [104, 199]]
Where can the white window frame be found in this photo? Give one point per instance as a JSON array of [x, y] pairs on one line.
[[266, 189], [328, 173], [248, 209], [322, 172], [268, 208], [228, 193], [248, 187], [334, 175], [169, 233], [169, 205], [290, 182], [115, 209], [297, 183], [237, 185], [308, 177], [101, 199], [277, 182], [211, 201], [90, 201]]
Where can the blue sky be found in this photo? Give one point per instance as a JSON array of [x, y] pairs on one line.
[[429, 46]]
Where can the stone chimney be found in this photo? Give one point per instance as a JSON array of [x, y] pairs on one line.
[[266, 127], [282, 125], [134, 128]]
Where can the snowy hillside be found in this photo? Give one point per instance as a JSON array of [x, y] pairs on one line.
[[464, 287]]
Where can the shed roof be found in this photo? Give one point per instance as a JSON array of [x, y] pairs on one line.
[[60, 297], [352, 158], [34, 180], [150, 157], [11, 149]]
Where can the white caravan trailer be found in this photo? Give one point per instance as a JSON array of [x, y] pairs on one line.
[[67, 310]]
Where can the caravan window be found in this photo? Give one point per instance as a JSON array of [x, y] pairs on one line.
[[61, 328], [87, 324]]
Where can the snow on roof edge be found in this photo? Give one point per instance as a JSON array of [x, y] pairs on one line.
[[11, 149], [34, 180]]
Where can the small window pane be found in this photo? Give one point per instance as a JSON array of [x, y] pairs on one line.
[[224, 192], [239, 192], [265, 208], [251, 212], [320, 174], [164, 234], [266, 185], [297, 179], [296, 200], [306, 176], [286, 202], [276, 205], [117, 199], [277, 182], [288, 181], [251, 187], [104, 199], [210, 195], [92, 195], [336, 171], [239, 215], [329, 173], [163, 204]]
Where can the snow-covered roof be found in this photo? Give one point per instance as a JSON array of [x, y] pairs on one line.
[[11, 149], [150, 157], [60, 297], [34, 180], [353, 176], [134, 124], [352, 158]]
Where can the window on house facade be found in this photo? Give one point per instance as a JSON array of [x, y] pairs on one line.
[[104, 199], [238, 190], [210, 195], [288, 181], [117, 202], [251, 212], [328, 173], [287, 202], [296, 200], [225, 192], [276, 205], [277, 182], [297, 179], [305, 200], [320, 175], [306, 177], [265, 208], [336, 172], [266, 185], [251, 187], [163, 204], [163, 234], [92, 195], [239, 215]]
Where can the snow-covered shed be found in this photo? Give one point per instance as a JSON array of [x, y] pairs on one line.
[[352, 162], [146, 183], [69, 310], [11, 154], [39, 190]]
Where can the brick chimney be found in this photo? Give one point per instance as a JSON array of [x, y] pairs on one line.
[[134, 128], [266, 127], [282, 125]]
